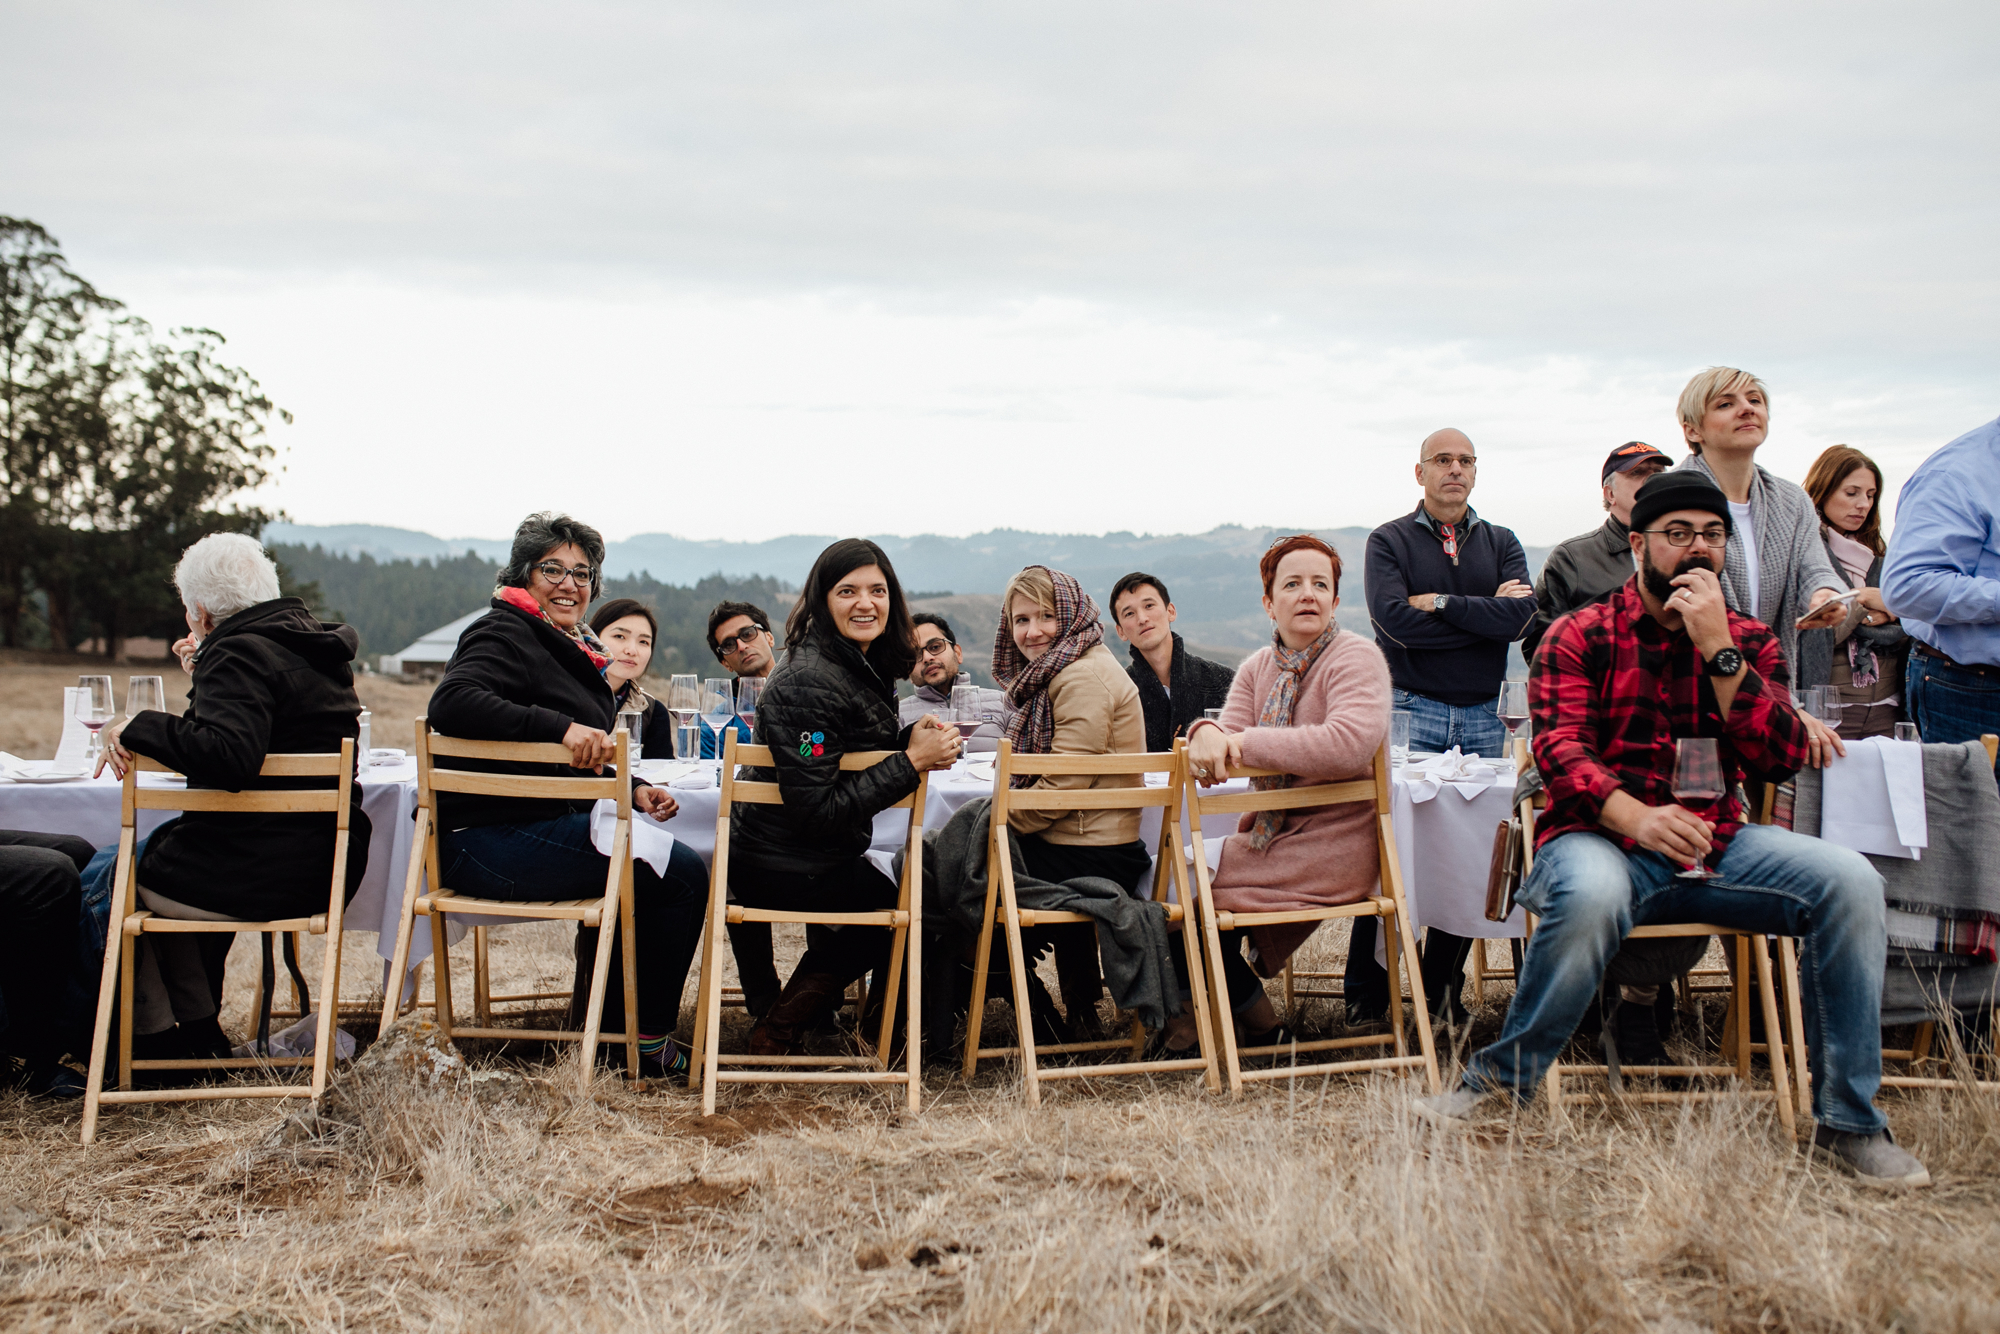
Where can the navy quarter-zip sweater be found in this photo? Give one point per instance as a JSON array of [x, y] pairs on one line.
[[1459, 656]]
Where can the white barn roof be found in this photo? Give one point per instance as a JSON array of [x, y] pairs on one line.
[[434, 648]]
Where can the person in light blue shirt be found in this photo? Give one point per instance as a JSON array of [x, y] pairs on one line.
[[1942, 576]]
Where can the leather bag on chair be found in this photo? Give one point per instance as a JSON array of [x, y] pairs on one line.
[[1503, 873]]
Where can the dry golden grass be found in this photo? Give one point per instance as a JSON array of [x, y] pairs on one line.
[[1138, 1205]]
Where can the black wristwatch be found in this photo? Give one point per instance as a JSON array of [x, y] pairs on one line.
[[1726, 662]]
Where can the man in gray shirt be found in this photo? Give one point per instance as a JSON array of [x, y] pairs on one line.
[[939, 661]]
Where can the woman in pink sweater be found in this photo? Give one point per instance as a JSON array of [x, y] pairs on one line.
[[1315, 704]]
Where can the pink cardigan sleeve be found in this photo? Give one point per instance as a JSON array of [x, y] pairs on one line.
[[1351, 684]]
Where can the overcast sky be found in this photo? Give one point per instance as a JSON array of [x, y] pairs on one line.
[[744, 270]]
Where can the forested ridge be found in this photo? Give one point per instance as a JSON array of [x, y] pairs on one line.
[[393, 602]]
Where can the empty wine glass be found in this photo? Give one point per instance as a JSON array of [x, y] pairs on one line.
[[143, 693], [718, 706], [1697, 783], [1907, 732], [94, 709]]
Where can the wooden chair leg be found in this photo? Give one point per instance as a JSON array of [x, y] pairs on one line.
[[1220, 1013], [1479, 973], [107, 988], [1788, 961], [329, 1011], [711, 1038], [406, 925], [1740, 1007], [1774, 1037], [1426, 1043], [698, 1048], [982, 967], [128, 950], [629, 931], [913, 1053], [441, 976], [482, 985]]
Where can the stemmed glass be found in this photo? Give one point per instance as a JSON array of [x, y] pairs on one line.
[[684, 706], [95, 708], [749, 689], [718, 705], [1697, 783], [143, 693], [1512, 707]]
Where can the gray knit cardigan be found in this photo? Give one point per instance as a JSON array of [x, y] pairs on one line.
[[1791, 559]]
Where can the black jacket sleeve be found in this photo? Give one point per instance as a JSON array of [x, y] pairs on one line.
[[488, 672], [824, 804], [222, 741], [1495, 617], [1554, 595]]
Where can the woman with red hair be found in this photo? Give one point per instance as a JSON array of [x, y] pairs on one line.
[[1314, 705]]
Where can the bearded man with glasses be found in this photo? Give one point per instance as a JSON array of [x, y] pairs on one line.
[[739, 634], [940, 662], [1615, 684]]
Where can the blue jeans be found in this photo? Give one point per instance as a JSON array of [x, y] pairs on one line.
[[1947, 703], [554, 859], [1589, 895], [1434, 725]]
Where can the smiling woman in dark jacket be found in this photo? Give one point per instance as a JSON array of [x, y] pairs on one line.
[[529, 671], [269, 678], [835, 692]]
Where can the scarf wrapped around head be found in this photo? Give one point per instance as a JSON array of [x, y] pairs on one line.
[[1293, 664], [1032, 729], [520, 599]]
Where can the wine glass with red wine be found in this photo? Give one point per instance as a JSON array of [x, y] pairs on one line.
[[1697, 783]]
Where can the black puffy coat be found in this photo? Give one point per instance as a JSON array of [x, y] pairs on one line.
[[515, 677], [272, 679], [823, 701]]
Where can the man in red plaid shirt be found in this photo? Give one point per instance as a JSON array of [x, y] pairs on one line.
[[1614, 686]]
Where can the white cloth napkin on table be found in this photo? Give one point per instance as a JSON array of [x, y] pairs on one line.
[[1873, 799], [651, 843], [1467, 775]]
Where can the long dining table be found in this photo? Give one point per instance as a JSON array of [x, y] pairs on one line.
[[1443, 837]]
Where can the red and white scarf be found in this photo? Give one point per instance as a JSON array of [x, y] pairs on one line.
[[1032, 729]]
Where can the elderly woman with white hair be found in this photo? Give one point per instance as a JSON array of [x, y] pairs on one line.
[[269, 677]]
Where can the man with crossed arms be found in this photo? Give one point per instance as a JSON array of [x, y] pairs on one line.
[[1612, 687]]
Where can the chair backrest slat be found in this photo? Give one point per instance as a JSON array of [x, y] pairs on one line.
[[1144, 762], [736, 789], [204, 799], [337, 765], [274, 766], [1090, 799], [518, 752], [523, 785], [1370, 787]]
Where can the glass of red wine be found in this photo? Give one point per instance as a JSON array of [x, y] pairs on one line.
[[1512, 706], [1697, 783], [95, 708]]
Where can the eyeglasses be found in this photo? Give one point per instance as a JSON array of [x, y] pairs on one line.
[[728, 644], [1446, 460], [1680, 535], [555, 573], [935, 648]]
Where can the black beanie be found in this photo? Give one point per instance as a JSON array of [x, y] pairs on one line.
[[1679, 489]]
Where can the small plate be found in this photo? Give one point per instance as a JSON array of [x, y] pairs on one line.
[[38, 772]]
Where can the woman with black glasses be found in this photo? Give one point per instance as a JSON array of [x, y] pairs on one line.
[[530, 670]]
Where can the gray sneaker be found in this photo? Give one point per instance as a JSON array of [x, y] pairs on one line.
[[1873, 1160], [1453, 1110]]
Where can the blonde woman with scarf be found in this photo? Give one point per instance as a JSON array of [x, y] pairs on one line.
[[530, 670], [1315, 704], [1071, 697]]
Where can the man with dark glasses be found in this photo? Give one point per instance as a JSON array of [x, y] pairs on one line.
[[739, 634], [939, 663]]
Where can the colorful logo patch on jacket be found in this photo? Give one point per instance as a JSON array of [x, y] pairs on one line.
[[812, 743]]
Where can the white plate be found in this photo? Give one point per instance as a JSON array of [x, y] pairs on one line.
[[38, 773]]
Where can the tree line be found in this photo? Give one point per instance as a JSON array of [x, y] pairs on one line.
[[119, 447], [392, 603]]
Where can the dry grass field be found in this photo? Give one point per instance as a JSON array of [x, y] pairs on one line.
[[506, 1202]]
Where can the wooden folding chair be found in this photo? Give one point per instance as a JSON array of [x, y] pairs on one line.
[[1389, 905], [1736, 1037], [128, 923], [906, 949], [440, 903], [1003, 910]]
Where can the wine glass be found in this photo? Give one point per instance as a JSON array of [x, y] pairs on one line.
[[1907, 732], [684, 706], [1697, 783], [143, 693], [94, 709], [749, 690], [1513, 705], [718, 706]]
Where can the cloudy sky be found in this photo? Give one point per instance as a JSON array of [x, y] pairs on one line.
[[743, 270]]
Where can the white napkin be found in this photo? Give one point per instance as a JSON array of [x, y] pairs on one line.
[[1872, 799], [651, 843], [1467, 775], [299, 1040], [698, 779]]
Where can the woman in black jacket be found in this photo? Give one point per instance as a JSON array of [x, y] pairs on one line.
[[627, 629], [850, 641], [529, 671], [269, 678]]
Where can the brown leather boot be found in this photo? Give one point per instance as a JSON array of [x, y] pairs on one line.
[[803, 998]]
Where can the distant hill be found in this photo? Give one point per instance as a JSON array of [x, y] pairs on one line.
[[1212, 575]]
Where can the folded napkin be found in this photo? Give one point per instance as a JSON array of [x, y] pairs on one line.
[[1467, 775], [651, 843], [697, 779], [1873, 799]]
